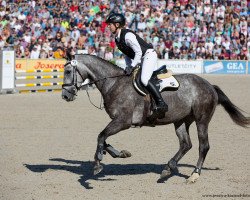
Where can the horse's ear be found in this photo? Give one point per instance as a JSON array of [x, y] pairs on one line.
[[68, 56]]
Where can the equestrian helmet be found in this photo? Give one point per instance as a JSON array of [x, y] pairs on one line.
[[116, 18]]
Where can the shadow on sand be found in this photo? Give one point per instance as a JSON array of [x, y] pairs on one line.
[[85, 170]]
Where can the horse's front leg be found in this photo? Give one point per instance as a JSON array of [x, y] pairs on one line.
[[115, 153], [115, 126]]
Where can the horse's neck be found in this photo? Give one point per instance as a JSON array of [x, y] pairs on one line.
[[104, 74]]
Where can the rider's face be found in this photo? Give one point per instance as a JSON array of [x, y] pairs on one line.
[[112, 28]]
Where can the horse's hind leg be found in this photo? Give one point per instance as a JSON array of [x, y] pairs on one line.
[[182, 131], [203, 149]]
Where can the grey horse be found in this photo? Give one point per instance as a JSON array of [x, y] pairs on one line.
[[194, 101]]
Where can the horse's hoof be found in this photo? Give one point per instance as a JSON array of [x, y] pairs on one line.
[[165, 173], [97, 169], [193, 178], [125, 154]]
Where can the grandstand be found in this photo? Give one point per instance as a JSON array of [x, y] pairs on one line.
[[184, 29]]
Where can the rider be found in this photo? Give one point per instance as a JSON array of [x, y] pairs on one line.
[[137, 52]]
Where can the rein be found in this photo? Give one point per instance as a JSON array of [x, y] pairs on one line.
[[101, 79], [100, 107], [92, 82]]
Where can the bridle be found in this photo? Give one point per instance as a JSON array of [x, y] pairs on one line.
[[75, 82]]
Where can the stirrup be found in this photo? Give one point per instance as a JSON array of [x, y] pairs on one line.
[[161, 110], [158, 113], [161, 106]]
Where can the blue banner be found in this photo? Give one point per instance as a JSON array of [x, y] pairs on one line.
[[225, 67], [248, 67]]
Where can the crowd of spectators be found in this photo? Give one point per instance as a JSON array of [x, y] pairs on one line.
[[181, 29]]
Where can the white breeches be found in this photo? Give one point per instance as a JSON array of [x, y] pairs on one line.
[[149, 65]]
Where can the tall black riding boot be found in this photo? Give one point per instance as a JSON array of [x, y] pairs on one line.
[[161, 106]]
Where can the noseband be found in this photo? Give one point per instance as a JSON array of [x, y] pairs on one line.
[[74, 81]]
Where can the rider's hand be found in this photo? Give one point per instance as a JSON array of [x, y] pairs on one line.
[[128, 71]]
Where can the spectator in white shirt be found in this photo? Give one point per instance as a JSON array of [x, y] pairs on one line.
[[217, 39], [27, 37], [75, 34], [91, 31], [17, 26], [207, 9], [141, 24], [32, 3], [226, 44], [209, 45], [21, 16], [220, 11], [4, 3], [2, 12], [35, 53]]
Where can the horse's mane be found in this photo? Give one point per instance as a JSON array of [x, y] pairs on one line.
[[114, 66]]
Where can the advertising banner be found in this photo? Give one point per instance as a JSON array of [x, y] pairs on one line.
[[39, 64], [225, 67], [182, 66], [177, 66]]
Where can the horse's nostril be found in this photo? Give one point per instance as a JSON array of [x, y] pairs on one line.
[[65, 97]]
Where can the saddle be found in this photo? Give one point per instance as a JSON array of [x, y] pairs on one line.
[[162, 78]]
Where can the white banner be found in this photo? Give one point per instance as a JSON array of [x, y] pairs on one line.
[[177, 66], [183, 66], [8, 70]]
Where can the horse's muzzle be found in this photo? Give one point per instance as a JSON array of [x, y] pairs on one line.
[[68, 95], [66, 98]]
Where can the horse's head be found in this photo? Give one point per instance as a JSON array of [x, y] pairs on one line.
[[79, 72], [73, 79]]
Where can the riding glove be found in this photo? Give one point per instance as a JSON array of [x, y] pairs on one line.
[[128, 70]]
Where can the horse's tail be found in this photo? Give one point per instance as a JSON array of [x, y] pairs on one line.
[[234, 112]]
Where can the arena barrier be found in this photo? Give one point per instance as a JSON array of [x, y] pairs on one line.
[[39, 91], [37, 84], [40, 71], [38, 77], [33, 76], [45, 75]]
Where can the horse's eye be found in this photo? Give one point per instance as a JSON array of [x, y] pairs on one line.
[[67, 72]]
